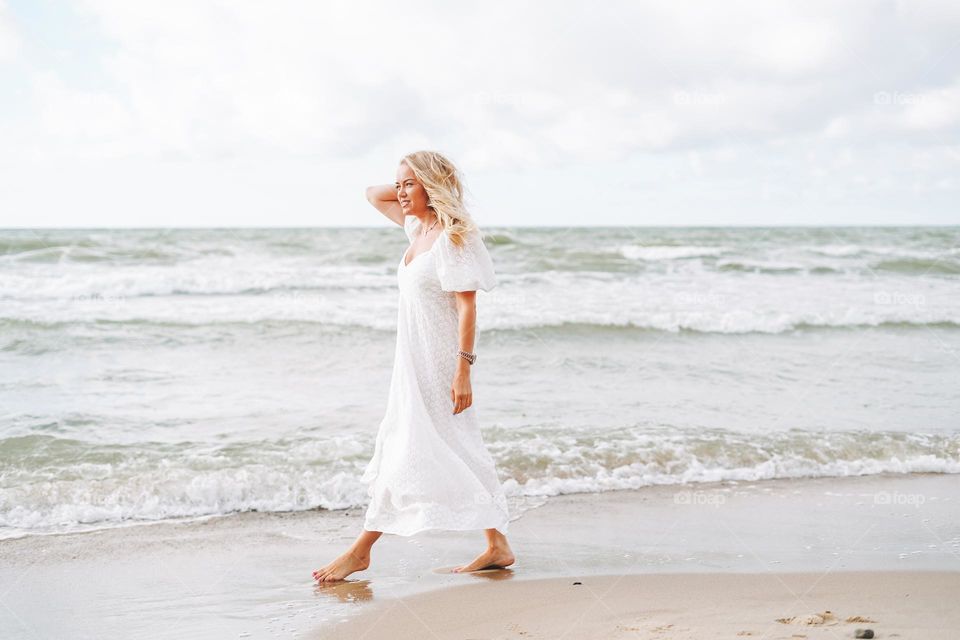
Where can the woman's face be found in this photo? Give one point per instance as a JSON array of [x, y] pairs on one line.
[[411, 194]]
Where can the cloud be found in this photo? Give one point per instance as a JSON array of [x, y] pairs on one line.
[[504, 86], [95, 119], [9, 38], [216, 78]]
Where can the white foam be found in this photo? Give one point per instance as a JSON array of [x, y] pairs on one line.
[[315, 473]]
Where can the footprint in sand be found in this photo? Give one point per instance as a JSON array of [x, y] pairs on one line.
[[495, 572]]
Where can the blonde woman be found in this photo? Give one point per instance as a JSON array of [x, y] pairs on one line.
[[430, 468]]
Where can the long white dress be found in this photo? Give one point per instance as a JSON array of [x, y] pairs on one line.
[[430, 468]]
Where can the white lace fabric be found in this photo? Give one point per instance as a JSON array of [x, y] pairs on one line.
[[430, 468]]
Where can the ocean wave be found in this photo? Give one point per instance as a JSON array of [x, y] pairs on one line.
[[205, 278], [857, 250], [143, 273], [756, 266], [837, 250], [86, 250], [28, 337], [28, 244], [918, 266], [668, 252], [778, 327], [632, 458], [51, 483]]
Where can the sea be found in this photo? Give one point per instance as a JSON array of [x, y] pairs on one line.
[[149, 375]]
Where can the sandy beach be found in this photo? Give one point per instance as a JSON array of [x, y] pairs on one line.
[[764, 605], [706, 560]]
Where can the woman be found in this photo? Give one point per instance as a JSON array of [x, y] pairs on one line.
[[430, 468]]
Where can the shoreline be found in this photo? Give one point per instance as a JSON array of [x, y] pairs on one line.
[[250, 573], [525, 503]]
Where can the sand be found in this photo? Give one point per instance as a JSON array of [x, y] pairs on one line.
[[767, 605]]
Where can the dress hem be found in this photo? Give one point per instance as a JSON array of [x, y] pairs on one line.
[[501, 528]]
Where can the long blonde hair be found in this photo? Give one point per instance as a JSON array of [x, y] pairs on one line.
[[444, 186]]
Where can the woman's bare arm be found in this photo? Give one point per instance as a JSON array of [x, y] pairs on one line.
[[461, 392], [384, 198]]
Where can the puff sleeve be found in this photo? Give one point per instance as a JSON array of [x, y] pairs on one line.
[[466, 268]]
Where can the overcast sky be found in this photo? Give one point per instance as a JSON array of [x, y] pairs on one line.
[[252, 113]]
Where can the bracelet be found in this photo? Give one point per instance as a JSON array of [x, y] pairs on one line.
[[469, 357]]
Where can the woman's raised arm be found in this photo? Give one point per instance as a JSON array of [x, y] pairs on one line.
[[384, 198]]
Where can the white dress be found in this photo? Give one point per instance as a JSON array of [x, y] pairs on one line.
[[430, 467]]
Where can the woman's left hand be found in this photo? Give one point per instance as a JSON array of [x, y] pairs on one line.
[[460, 392]]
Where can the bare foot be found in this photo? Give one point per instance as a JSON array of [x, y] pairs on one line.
[[341, 567], [492, 558]]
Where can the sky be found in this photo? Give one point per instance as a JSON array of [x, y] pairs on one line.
[[127, 113]]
